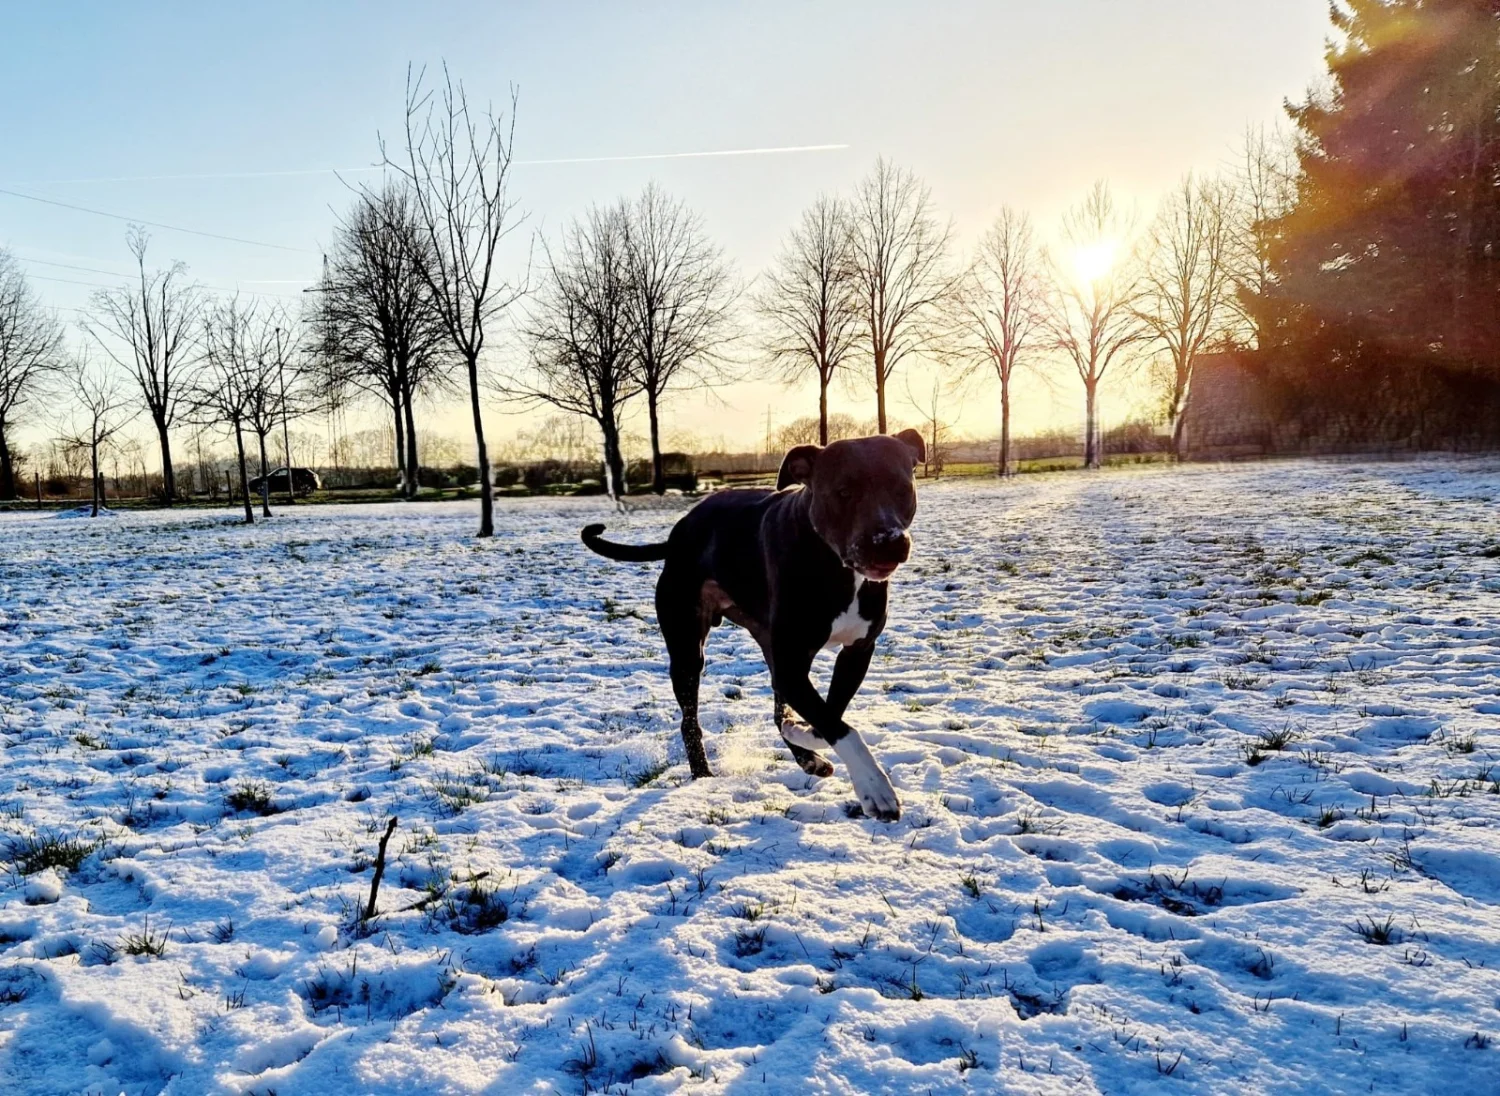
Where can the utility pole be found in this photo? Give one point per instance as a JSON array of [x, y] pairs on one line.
[[286, 437]]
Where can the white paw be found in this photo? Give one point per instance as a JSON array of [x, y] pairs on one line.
[[878, 798], [876, 795]]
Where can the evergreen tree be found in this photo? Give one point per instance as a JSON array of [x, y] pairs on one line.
[[1387, 293]]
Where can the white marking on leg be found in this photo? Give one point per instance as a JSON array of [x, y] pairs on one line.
[[800, 734], [871, 784]]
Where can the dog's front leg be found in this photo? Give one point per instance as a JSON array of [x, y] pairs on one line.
[[794, 735], [871, 784], [849, 671], [848, 674]]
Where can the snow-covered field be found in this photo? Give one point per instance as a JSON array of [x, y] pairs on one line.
[[1201, 771]]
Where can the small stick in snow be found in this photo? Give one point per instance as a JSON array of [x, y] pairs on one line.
[[379, 869]]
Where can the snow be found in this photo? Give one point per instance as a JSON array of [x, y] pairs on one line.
[[1176, 749], [86, 512]]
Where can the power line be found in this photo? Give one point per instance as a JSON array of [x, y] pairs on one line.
[[131, 275], [206, 288], [776, 150], [70, 266], [151, 224]]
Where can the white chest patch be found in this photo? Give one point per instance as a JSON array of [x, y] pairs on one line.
[[849, 627]]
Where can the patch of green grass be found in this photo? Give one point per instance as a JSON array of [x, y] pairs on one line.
[[41, 851], [648, 775], [749, 942], [1383, 933], [1328, 816], [1314, 597], [1277, 740], [145, 942], [251, 797], [455, 794], [1461, 744], [480, 909], [613, 611]]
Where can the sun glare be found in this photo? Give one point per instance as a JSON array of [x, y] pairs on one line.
[[1094, 261]]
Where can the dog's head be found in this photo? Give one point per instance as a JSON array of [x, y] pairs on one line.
[[861, 497]]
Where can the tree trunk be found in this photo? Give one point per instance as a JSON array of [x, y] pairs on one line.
[[614, 463], [822, 411], [413, 469], [168, 475], [286, 452], [486, 486], [880, 390], [265, 478], [658, 472], [239, 442], [400, 442], [1004, 469], [1090, 427], [1179, 404], [95, 484], [7, 468]]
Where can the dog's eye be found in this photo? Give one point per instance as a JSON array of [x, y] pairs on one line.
[[844, 493]]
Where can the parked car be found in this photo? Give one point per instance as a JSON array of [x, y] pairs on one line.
[[304, 482], [677, 473]]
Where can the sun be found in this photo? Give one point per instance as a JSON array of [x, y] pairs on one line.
[[1094, 261]]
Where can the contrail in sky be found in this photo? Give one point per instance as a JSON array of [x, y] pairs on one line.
[[775, 151]]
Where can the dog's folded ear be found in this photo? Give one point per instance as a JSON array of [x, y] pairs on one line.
[[915, 443], [797, 465]]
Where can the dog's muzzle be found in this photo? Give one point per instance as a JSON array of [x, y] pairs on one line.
[[882, 553]]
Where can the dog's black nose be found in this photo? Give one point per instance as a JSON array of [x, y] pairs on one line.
[[890, 546]]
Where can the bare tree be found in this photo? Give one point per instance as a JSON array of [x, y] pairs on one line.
[[1265, 189], [101, 408], [30, 345], [934, 427], [457, 165], [225, 390], [1092, 318], [1186, 286], [390, 337], [815, 431], [678, 305], [999, 306], [270, 401], [900, 255], [580, 332], [810, 300], [151, 326]]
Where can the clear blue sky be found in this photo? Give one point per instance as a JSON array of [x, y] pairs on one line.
[[996, 102]]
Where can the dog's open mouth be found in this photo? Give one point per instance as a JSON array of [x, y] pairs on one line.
[[876, 572]]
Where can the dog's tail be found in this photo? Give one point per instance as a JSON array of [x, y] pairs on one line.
[[627, 553]]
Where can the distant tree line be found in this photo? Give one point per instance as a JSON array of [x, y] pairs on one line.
[[1350, 264]]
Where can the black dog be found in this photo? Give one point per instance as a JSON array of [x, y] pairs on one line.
[[801, 568]]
